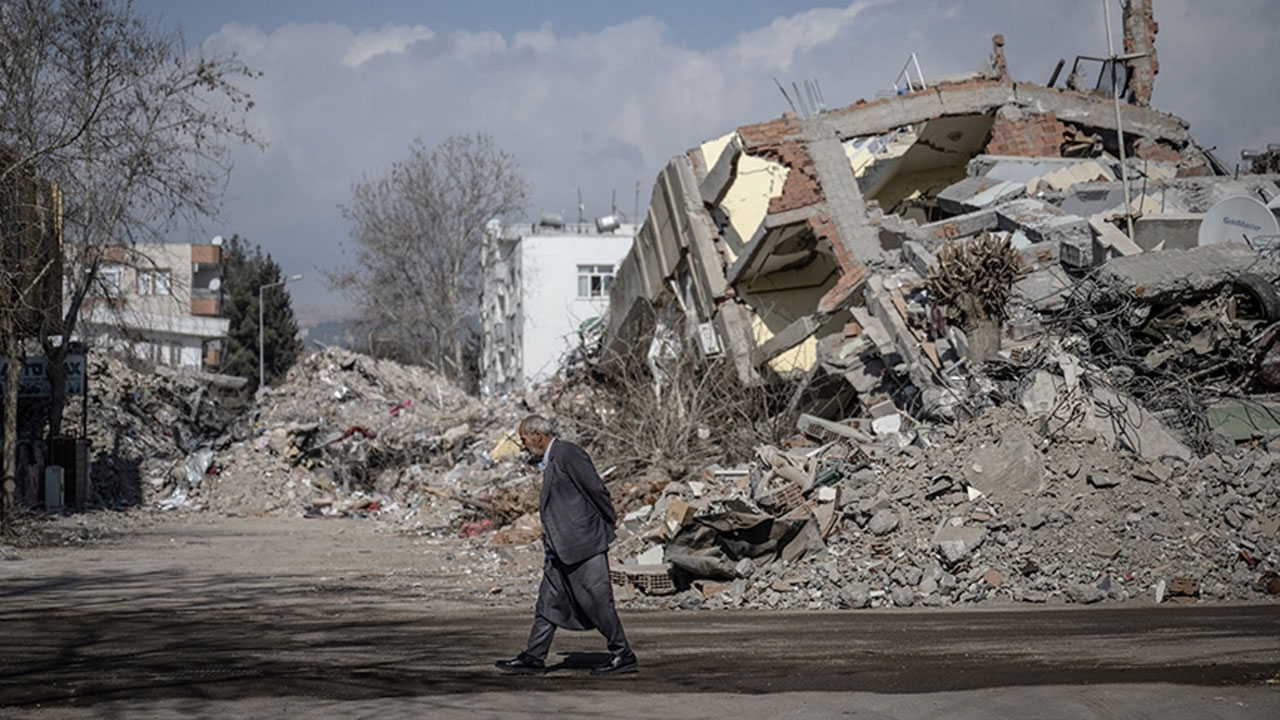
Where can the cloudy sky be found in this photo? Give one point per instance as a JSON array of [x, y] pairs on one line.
[[599, 95]]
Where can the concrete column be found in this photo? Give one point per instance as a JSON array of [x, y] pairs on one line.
[[1140, 30]]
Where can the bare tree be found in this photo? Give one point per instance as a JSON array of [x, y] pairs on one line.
[[29, 294], [134, 129], [417, 234]]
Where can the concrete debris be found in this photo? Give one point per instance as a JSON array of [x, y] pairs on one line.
[[956, 543]]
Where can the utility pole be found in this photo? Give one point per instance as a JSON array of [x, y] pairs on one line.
[[262, 372], [1115, 97]]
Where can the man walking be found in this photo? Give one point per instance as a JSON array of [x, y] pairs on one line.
[[577, 527]]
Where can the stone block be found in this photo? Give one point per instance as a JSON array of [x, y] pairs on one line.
[[957, 543]]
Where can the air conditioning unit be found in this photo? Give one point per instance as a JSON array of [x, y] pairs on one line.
[[709, 340]]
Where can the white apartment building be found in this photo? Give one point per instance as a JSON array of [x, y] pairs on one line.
[[161, 301], [543, 282]]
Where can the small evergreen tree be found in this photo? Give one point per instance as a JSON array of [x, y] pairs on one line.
[[243, 274]]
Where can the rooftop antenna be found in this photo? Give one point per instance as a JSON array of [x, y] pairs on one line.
[[613, 203], [636, 214], [812, 97], [804, 109], [784, 94], [581, 208]]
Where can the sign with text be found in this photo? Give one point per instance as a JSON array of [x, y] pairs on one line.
[[35, 376]]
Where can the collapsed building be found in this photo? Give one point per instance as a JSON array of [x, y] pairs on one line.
[[800, 248]]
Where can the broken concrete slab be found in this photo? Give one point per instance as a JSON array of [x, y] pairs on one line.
[[1103, 480], [977, 193], [1009, 467], [883, 522], [1169, 231], [1042, 222], [1177, 275], [1045, 289], [1122, 422], [961, 225]]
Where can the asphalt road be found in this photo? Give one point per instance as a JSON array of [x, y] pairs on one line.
[[161, 636]]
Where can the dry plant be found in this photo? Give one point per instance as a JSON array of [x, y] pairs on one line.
[[973, 280], [668, 416]]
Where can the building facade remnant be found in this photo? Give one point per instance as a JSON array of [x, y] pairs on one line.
[[162, 301], [546, 286]]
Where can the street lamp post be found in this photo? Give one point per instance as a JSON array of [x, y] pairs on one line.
[[262, 374]]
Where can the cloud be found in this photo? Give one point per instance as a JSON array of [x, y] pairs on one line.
[[604, 110], [776, 45], [390, 39]]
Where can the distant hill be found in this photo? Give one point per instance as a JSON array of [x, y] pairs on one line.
[[333, 333]]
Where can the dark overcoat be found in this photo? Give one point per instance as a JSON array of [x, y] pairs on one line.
[[577, 514], [577, 527]]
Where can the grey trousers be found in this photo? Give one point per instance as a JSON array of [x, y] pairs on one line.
[[576, 597]]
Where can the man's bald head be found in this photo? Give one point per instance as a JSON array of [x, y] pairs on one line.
[[536, 434]]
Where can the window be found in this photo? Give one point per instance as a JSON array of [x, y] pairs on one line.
[[111, 278], [153, 282], [594, 280]]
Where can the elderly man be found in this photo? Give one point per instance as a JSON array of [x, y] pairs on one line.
[[577, 527]]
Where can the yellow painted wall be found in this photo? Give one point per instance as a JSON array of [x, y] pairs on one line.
[[747, 200], [798, 359], [779, 299], [712, 149]]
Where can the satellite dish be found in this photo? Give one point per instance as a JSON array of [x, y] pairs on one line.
[[215, 283], [1238, 220], [217, 240]]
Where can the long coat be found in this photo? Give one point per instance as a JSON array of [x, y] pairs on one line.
[[577, 527], [577, 514]]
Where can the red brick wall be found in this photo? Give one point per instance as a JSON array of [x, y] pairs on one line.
[[778, 140], [1029, 136], [1148, 149]]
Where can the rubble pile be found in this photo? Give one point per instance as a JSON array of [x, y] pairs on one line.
[[990, 511], [346, 433], [143, 423]]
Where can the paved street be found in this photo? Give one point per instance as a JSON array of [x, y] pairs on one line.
[[84, 635]]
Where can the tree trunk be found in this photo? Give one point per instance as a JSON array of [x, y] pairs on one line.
[[12, 376], [984, 339]]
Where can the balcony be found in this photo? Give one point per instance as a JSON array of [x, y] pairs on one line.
[[206, 302], [206, 254]]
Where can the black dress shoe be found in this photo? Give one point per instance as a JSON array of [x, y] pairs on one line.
[[617, 665], [522, 663]]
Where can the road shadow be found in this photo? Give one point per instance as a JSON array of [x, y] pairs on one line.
[[579, 660], [90, 637]]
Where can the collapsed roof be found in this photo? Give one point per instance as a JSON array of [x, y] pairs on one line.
[[776, 239]]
